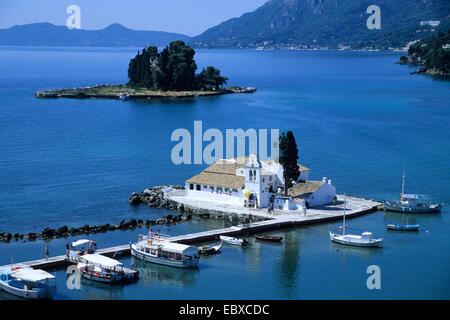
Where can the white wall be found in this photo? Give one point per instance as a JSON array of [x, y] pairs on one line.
[[324, 195], [205, 194]]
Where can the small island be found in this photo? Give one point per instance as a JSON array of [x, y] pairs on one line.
[[155, 75], [432, 55]]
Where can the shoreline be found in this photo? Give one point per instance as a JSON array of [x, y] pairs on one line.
[[113, 91], [156, 197]]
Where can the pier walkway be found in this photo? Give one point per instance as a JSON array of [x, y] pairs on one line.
[[279, 220]]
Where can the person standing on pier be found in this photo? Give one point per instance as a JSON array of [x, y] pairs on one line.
[[46, 252]]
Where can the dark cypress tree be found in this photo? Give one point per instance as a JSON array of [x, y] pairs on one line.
[[288, 159]]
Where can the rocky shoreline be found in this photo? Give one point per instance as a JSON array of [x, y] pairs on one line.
[[153, 197], [112, 91], [416, 61]]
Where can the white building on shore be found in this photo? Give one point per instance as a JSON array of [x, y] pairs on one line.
[[249, 181]]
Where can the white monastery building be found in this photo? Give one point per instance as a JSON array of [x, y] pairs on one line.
[[250, 181]]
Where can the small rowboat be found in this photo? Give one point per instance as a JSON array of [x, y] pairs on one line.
[[210, 249], [403, 227], [269, 238]]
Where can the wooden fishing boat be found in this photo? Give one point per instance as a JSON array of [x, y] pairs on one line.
[[269, 238], [412, 203], [403, 227]]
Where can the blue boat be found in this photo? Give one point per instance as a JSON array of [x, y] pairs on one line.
[[403, 227]]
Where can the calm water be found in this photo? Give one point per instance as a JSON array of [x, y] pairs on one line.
[[358, 118]]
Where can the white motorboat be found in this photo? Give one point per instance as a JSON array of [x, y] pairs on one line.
[[363, 240], [233, 241], [26, 282], [157, 248], [100, 268]]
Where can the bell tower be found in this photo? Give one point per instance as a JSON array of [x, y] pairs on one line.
[[253, 177]]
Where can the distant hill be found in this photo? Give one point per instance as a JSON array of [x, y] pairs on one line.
[[327, 23], [115, 35]]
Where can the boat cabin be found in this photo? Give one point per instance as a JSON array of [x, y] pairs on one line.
[[100, 264], [82, 247], [156, 246], [414, 200]]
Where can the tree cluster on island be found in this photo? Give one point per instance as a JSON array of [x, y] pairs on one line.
[[172, 69], [432, 54]]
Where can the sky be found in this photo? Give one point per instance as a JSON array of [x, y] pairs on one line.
[[190, 17]]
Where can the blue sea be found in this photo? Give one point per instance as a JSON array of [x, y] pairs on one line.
[[358, 119]]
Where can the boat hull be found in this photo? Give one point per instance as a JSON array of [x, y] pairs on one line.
[[100, 278], [186, 263], [396, 227], [355, 241], [269, 238], [38, 293], [390, 206]]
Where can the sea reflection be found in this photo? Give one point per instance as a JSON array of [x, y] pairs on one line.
[[151, 274], [411, 218], [350, 251], [287, 268]]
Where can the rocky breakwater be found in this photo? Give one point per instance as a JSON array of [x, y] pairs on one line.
[[155, 197], [64, 231]]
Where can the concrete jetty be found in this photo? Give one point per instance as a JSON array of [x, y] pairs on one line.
[[279, 220]]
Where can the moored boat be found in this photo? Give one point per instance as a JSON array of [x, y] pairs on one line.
[[103, 269], [157, 248], [403, 227], [26, 282], [269, 238], [412, 203], [233, 241], [124, 96], [210, 249], [363, 240]]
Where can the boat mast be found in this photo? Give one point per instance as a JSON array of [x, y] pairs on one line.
[[345, 204], [403, 183]]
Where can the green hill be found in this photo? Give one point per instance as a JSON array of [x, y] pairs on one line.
[[327, 23], [432, 54]]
